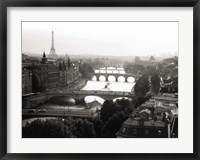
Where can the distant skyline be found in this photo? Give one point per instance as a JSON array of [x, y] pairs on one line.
[[101, 38]]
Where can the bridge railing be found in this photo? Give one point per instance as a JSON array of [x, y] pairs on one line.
[[117, 93]]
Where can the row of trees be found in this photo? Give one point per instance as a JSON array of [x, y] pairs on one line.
[[139, 68], [149, 82], [134, 68], [59, 128], [112, 115], [85, 68]]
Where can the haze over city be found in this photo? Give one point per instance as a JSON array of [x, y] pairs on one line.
[[102, 38]]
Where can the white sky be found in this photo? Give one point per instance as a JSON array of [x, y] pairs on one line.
[[102, 38]]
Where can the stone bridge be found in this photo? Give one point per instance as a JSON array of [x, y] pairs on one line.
[[116, 75], [103, 94]]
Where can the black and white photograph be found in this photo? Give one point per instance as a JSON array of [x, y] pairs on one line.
[[99, 79]]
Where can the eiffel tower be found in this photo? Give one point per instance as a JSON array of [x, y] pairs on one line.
[[52, 54]]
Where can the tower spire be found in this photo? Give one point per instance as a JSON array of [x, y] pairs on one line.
[[52, 53], [52, 44], [44, 59]]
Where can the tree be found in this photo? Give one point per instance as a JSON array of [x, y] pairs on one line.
[[138, 100], [125, 105], [50, 128], [152, 58], [83, 72], [85, 129], [57, 128], [134, 68], [113, 125], [142, 86], [137, 58], [176, 60], [150, 70], [155, 83], [85, 68], [98, 125], [107, 110], [36, 85], [138, 68]]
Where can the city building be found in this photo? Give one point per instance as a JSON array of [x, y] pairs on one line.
[[133, 128], [45, 75], [171, 87], [26, 75], [156, 118], [42, 75], [26, 81], [69, 73]]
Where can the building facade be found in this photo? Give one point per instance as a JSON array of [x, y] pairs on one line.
[[26, 81], [69, 73], [26, 75], [43, 75]]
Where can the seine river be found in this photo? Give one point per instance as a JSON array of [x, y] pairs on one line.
[[111, 84], [100, 85]]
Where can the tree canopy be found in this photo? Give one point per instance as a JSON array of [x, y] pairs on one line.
[[142, 86], [134, 68], [150, 70], [155, 83], [152, 58], [112, 115], [85, 68]]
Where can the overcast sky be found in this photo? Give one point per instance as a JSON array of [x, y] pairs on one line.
[[102, 38]]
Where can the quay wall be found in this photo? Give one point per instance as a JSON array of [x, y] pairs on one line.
[[39, 99]]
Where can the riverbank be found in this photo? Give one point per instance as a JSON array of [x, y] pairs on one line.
[[75, 86], [39, 99]]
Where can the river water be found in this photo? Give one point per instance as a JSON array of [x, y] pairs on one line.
[[111, 84], [101, 85]]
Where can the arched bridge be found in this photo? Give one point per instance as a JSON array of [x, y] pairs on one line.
[[116, 75], [110, 95]]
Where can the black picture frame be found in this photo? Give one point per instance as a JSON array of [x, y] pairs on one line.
[[98, 3]]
